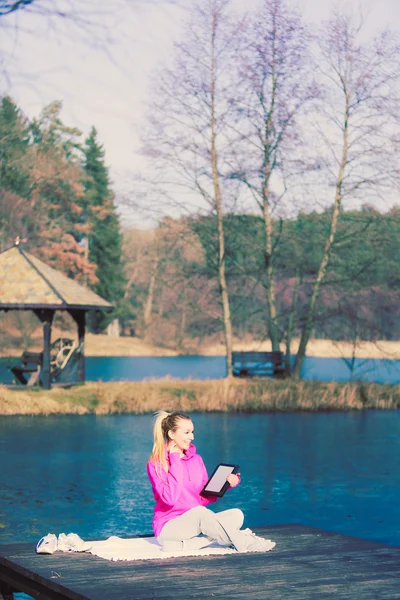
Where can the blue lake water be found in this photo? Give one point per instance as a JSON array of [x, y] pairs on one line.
[[87, 474], [138, 368]]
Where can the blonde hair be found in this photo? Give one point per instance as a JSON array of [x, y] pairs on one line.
[[163, 423]]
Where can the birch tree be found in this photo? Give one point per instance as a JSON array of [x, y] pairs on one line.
[[358, 129], [187, 135], [276, 88]]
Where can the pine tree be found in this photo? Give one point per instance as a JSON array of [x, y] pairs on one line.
[[14, 141], [56, 185], [105, 239]]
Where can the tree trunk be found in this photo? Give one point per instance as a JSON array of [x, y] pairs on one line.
[[218, 205], [305, 335], [182, 327], [269, 283], [289, 332], [148, 307], [268, 250]]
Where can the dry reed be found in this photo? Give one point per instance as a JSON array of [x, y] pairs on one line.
[[200, 396]]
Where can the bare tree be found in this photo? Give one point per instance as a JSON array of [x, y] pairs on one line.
[[164, 283], [276, 87], [7, 6], [187, 136], [141, 256], [358, 122], [82, 13]]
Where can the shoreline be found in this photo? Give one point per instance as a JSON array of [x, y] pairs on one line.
[[104, 345], [222, 395], [382, 349]]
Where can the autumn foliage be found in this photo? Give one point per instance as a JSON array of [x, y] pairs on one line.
[[43, 191]]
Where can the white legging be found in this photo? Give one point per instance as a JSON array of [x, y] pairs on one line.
[[182, 533]]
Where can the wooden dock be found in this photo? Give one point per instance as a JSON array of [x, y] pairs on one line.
[[306, 564]]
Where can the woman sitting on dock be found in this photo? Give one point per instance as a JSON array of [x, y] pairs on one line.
[[178, 474]]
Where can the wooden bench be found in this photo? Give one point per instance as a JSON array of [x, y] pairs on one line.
[[28, 371], [63, 364], [258, 364]]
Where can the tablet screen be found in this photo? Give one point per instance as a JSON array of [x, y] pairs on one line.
[[218, 479]]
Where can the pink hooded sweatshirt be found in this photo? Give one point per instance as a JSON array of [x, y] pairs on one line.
[[178, 491]]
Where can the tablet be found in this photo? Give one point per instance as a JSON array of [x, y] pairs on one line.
[[217, 484]]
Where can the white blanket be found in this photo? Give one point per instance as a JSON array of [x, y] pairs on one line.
[[116, 548]]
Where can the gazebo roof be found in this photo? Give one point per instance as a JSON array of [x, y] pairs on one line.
[[28, 283]]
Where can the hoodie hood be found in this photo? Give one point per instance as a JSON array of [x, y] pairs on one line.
[[191, 451]]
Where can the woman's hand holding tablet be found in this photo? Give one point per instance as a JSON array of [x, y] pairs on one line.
[[233, 479], [218, 484]]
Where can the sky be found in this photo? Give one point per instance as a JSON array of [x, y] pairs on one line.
[[101, 73]]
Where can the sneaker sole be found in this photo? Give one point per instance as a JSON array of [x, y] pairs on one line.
[[266, 549]]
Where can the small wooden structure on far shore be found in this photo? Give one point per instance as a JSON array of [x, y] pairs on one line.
[[27, 283]]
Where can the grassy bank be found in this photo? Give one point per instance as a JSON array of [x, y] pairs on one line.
[[200, 396]]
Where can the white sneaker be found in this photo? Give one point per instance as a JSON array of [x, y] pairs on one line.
[[47, 544], [247, 541], [72, 543]]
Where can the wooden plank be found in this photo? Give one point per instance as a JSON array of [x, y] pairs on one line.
[[46, 317], [46, 370], [306, 564], [29, 357], [79, 317], [6, 592], [273, 354]]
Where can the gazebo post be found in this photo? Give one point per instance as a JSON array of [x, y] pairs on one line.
[[79, 318], [46, 317]]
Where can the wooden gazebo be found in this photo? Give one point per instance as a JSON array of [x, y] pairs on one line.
[[27, 283]]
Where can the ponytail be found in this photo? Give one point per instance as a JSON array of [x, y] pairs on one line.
[[158, 453], [163, 422]]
